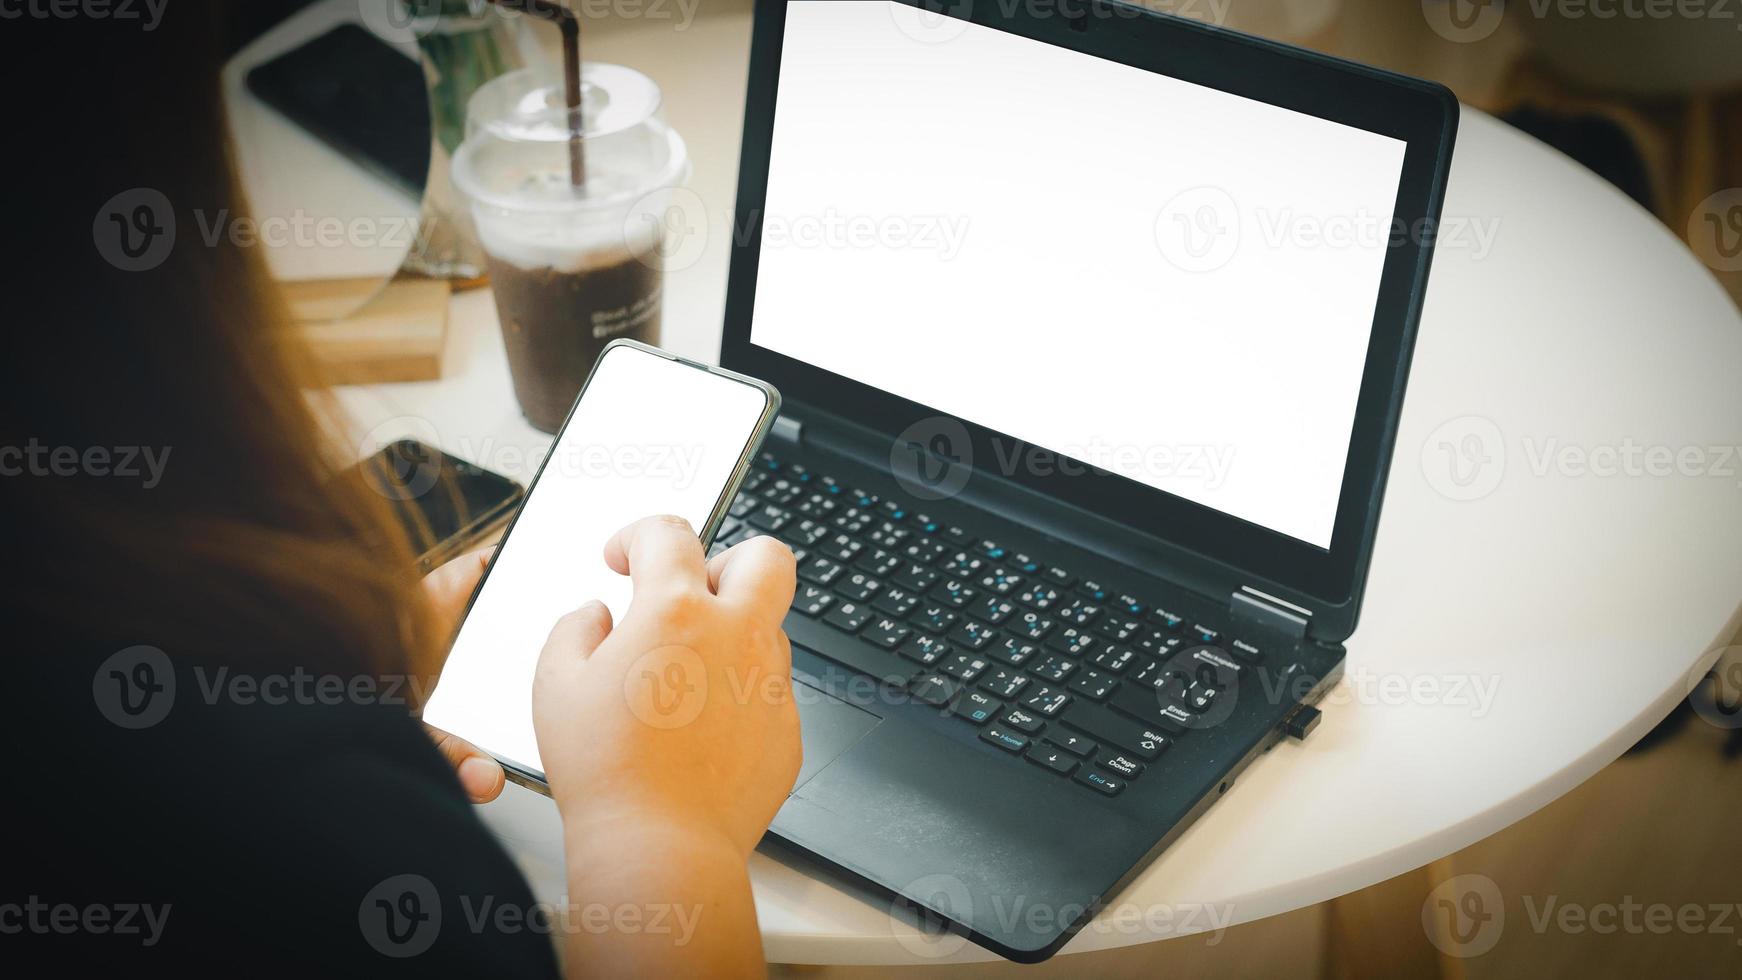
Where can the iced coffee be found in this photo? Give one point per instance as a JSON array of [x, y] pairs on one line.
[[573, 266]]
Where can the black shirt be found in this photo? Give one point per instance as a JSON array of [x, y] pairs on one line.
[[202, 818]]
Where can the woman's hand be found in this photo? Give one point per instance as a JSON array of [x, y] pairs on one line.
[[448, 589], [682, 713], [669, 741]]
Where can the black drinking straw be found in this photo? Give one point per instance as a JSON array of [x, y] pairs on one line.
[[566, 21]]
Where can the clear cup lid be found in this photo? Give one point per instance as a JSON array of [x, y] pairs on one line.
[[516, 153], [532, 104]]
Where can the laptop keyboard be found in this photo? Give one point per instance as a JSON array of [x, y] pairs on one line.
[[1075, 676]]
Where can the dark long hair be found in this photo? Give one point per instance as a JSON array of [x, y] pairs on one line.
[[248, 544]]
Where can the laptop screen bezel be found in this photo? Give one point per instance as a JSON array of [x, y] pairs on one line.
[[1421, 114]]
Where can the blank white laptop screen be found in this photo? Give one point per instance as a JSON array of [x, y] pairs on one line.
[[1164, 280]]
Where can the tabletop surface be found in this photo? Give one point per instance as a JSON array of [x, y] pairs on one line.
[[1559, 557]]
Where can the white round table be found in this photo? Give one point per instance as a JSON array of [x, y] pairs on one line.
[[1560, 553]]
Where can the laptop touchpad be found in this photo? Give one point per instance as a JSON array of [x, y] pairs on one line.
[[831, 726]]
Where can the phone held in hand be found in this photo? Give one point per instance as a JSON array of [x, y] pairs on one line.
[[651, 433]]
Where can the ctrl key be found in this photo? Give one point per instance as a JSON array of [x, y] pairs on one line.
[[1005, 739], [1101, 782]]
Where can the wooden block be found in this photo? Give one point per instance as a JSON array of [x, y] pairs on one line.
[[325, 300], [397, 336]]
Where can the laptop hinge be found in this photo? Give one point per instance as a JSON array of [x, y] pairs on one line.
[[1254, 606], [786, 429]]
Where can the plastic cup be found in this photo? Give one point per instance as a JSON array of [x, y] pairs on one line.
[[573, 268]]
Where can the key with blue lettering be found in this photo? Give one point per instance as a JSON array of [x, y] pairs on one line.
[[1007, 740], [976, 707]]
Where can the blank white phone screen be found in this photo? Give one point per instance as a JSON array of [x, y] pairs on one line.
[[650, 436]]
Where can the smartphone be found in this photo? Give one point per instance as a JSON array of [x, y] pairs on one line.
[[650, 434], [354, 92], [445, 504]]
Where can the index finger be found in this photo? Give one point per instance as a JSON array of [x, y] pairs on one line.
[[659, 554]]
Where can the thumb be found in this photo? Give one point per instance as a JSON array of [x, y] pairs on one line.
[[480, 775]]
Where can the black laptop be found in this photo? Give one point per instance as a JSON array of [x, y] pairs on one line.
[[1093, 325]]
